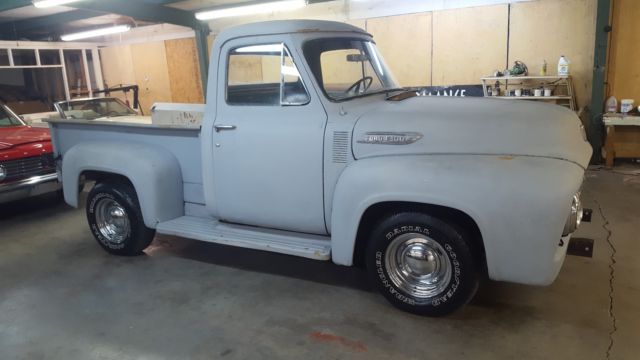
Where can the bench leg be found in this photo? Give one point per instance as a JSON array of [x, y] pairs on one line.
[[609, 146]]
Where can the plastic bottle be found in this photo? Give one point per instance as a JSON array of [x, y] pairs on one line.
[[563, 66], [612, 105]]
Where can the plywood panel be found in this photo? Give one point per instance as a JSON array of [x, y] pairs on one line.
[[468, 44], [624, 68], [117, 68], [547, 29], [405, 44], [184, 72], [151, 73]]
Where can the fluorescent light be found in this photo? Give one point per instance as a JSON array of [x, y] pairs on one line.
[[251, 9], [50, 3], [96, 32]]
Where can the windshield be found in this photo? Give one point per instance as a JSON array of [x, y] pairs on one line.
[[347, 68], [94, 108], [7, 118]]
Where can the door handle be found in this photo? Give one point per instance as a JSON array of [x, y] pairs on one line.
[[224, 127]]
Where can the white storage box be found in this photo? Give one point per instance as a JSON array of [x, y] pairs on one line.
[[177, 114]]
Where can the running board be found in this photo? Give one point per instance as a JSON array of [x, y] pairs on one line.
[[285, 242]]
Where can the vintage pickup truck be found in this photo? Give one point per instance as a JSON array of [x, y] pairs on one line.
[[309, 148]]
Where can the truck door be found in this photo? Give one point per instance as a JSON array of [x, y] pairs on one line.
[[268, 140]]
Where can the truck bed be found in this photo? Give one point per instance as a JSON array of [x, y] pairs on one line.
[[183, 141]]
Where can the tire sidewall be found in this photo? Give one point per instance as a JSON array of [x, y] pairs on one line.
[[101, 192], [463, 281]]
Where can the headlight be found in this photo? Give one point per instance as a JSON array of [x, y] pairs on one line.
[[575, 216]]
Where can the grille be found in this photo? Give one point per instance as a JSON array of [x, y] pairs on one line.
[[340, 146], [27, 167]]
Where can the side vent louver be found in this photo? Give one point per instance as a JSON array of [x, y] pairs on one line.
[[340, 146]]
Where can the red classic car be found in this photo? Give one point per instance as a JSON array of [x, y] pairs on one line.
[[27, 167]]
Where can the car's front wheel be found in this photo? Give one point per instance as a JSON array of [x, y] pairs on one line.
[[115, 219], [422, 264]]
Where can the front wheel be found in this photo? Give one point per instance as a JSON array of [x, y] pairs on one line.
[[115, 219], [422, 264]]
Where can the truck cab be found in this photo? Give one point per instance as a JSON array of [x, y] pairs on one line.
[[309, 147]]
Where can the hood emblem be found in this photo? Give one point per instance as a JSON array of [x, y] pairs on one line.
[[390, 138], [3, 173]]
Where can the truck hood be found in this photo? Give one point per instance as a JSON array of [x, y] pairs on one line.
[[21, 135], [447, 125]]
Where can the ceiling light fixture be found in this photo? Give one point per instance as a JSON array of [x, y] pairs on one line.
[[50, 3], [96, 32], [259, 8]]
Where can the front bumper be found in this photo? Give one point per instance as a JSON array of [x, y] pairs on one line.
[[33, 186]]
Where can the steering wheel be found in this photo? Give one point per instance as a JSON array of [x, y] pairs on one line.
[[361, 85]]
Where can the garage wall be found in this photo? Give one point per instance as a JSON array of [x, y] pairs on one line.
[[545, 30], [466, 44], [444, 46], [623, 68], [469, 44], [396, 36], [166, 71]]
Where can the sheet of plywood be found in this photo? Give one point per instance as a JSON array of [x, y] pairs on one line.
[[151, 73], [468, 44], [547, 29], [245, 69], [117, 68], [405, 44], [624, 68], [184, 72]]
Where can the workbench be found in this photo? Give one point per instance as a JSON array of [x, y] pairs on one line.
[[622, 137]]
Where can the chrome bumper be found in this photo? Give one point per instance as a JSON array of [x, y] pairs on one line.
[[32, 186]]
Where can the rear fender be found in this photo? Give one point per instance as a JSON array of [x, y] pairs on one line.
[[153, 171]]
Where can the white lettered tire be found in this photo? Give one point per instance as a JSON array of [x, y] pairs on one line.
[[422, 264], [115, 219]]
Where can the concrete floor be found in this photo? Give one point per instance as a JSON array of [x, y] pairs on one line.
[[62, 297]]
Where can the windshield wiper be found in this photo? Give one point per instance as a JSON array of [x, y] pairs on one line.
[[402, 93]]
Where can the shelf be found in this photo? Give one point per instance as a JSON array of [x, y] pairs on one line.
[[546, 77], [532, 97]]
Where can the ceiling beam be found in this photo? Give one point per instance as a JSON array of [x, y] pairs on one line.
[[51, 22], [13, 4], [143, 11]]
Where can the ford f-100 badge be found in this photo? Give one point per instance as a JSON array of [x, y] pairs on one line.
[[390, 138]]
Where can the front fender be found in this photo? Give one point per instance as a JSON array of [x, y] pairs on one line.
[[153, 171], [520, 204]]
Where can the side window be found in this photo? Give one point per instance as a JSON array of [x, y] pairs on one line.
[[264, 75]]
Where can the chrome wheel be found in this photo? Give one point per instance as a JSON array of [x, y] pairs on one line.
[[112, 220], [418, 265]]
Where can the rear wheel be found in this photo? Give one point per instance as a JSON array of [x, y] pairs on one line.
[[115, 219], [422, 264]]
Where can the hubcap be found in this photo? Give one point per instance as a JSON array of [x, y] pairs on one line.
[[418, 265], [112, 220]]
